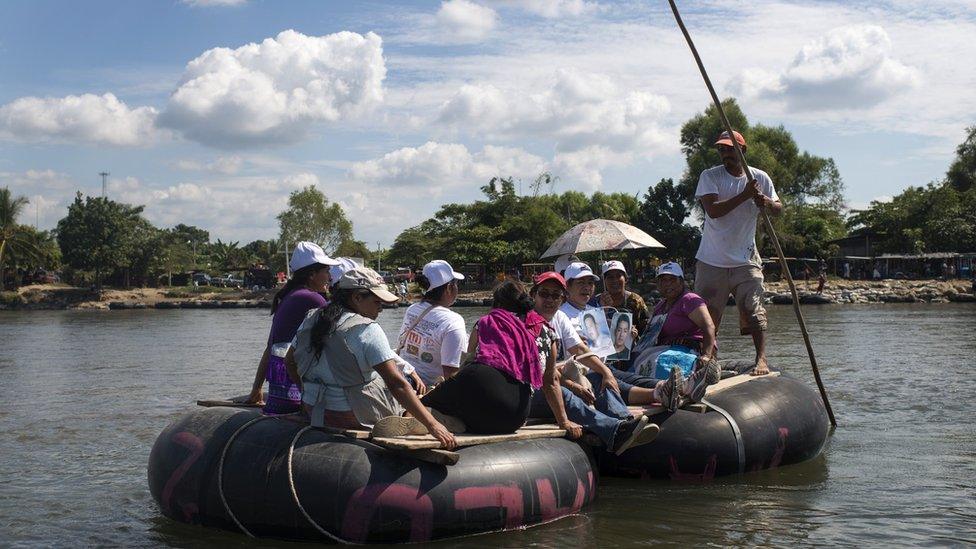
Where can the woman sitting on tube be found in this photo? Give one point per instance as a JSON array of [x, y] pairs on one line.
[[349, 374], [303, 292], [432, 336]]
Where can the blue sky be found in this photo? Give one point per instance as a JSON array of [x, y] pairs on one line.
[[211, 112]]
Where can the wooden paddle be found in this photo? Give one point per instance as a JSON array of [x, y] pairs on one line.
[[769, 225]]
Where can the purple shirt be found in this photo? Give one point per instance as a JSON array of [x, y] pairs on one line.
[[679, 325], [291, 312]]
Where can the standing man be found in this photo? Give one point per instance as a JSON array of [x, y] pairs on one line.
[[728, 261]]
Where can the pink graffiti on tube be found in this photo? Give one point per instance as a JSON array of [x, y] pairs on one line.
[[504, 497], [193, 443], [365, 501], [547, 499]]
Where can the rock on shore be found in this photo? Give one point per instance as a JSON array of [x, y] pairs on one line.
[[864, 291]]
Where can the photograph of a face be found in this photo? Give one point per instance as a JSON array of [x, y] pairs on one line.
[[597, 331], [621, 335]]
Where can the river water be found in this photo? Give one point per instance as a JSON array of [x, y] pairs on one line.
[[86, 392]]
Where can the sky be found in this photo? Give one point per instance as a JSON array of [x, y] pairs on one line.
[[210, 112]]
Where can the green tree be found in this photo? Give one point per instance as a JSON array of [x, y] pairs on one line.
[[962, 171], [662, 214], [227, 256], [267, 252], [98, 234], [311, 217], [935, 218], [10, 233], [354, 248]]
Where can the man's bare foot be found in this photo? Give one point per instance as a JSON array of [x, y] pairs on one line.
[[762, 368]]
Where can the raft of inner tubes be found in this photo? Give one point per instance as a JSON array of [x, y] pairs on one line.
[[272, 477]]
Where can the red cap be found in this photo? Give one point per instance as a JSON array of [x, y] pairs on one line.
[[724, 139], [549, 275]]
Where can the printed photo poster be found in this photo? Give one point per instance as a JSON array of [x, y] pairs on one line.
[[596, 330], [621, 335]]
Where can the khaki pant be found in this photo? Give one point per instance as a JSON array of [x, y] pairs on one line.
[[745, 283]]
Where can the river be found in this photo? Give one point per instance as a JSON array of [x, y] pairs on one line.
[[86, 393]]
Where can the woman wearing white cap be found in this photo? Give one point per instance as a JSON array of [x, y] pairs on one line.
[[349, 373], [681, 332], [615, 294], [303, 292], [580, 285], [432, 336]]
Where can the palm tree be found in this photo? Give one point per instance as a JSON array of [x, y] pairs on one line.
[[10, 209]]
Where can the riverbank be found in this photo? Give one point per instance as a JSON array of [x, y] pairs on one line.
[[837, 291]]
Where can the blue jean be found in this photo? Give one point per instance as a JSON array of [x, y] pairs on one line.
[[602, 421], [625, 380]]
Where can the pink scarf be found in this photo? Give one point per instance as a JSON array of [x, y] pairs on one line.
[[506, 343]]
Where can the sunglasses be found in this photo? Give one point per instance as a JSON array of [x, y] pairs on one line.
[[549, 295]]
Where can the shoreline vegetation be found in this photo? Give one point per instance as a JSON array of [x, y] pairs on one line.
[[837, 291]]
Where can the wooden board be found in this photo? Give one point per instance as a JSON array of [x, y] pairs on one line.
[[419, 442], [225, 404], [733, 381]]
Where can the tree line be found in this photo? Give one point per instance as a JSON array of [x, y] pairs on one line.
[[102, 238]]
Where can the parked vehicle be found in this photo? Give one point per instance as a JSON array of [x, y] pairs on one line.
[[227, 281], [41, 276], [201, 279]]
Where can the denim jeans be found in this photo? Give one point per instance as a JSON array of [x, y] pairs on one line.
[[602, 421], [625, 380]]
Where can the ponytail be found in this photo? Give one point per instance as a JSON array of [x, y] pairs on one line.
[[510, 295], [299, 279], [329, 319]]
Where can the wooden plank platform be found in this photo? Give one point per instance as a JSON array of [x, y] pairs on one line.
[[419, 442], [733, 381], [236, 402]]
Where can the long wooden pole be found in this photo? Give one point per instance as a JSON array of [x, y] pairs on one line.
[[769, 225]]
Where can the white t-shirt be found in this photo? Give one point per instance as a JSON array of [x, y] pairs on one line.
[[565, 332], [437, 340], [730, 241]]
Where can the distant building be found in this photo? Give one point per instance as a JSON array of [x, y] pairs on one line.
[[860, 243]]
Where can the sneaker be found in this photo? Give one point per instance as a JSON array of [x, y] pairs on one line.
[[713, 372], [668, 392], [695, 385], [451, 423], [633, 432], [397, 426]]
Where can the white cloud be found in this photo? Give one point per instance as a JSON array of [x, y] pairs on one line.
[[849, 67], [578, 110], [586, 165], [552, 9], [434, 166], [213, 3], [48, 192], [227, 165], [465, 21], [84, 119], [273, 92]]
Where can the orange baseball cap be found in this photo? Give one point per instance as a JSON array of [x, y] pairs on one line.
[[725, 140]]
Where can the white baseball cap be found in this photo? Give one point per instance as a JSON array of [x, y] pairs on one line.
[[440, 272], [563, 261], [365, 278], [670, 268], [345, 264], [579, 269], [612, 266], [309, 253]]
